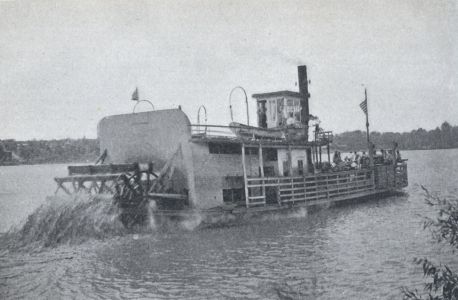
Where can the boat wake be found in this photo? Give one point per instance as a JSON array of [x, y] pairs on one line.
[[66, 220], [76, 219], [79, 218]]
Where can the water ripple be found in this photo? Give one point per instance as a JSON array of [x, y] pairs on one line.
[[354, 251]]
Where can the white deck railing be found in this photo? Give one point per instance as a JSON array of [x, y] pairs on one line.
[[211, 130], [324, 186]]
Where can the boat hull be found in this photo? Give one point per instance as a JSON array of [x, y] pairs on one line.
[[241, 215]]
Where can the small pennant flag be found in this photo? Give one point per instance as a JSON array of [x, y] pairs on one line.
[[363, 106], [135, 95]]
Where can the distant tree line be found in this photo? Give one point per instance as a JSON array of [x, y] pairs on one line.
[[87, 150], [52, 151], [440, 138]]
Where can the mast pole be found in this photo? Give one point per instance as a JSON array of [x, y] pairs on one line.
[[367, 117], [369, 144]]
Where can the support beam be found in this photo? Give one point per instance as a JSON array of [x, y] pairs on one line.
[[60, 185], [261, 166], [102, 186], [329, 154], [290, 161], [393, 156], [316, 155], [247, 200], [167, 196], [75, 189], [261, 162]]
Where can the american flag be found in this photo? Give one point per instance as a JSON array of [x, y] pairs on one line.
[[363, 106]]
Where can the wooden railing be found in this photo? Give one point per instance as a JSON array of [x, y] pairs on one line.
[[315, 188], [325, 136]]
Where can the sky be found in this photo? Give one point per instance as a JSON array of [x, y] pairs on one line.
[[64, 65]]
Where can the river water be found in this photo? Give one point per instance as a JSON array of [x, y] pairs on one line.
[[77, 249]]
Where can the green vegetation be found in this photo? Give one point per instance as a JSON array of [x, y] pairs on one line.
[[443, 282], [440, 138]]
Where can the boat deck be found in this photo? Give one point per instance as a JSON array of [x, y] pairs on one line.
[[225, 134], [306, 191]]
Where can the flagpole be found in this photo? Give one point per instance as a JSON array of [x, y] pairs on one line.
[[369, 144], [367, 116]]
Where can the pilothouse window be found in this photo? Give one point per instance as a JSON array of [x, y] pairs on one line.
[[262, 114]]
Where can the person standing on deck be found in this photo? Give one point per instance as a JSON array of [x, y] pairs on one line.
[[262, 115], [364, 161], [353, 158], [358, 160], [290, 121], [336, 159], [389, 157], [383, 155], [396, 155]]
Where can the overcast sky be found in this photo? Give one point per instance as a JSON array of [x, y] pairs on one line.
[[66, 64]]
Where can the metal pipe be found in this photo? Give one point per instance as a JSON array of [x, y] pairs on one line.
[[304, 90], [138, 102], [246, 102], [305, 112], [198, 116]]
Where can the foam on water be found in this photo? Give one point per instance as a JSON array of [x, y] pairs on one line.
[[192, 222], [298, 213], [76, 219], [79, 218], [66, 220]]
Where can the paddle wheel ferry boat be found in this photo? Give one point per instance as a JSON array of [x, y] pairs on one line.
[[158, 162]]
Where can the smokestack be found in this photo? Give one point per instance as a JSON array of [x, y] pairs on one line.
[[304, 90]]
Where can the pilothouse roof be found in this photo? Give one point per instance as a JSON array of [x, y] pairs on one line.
[[278, 94]]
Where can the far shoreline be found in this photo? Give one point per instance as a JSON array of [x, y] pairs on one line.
[[92, 162]]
